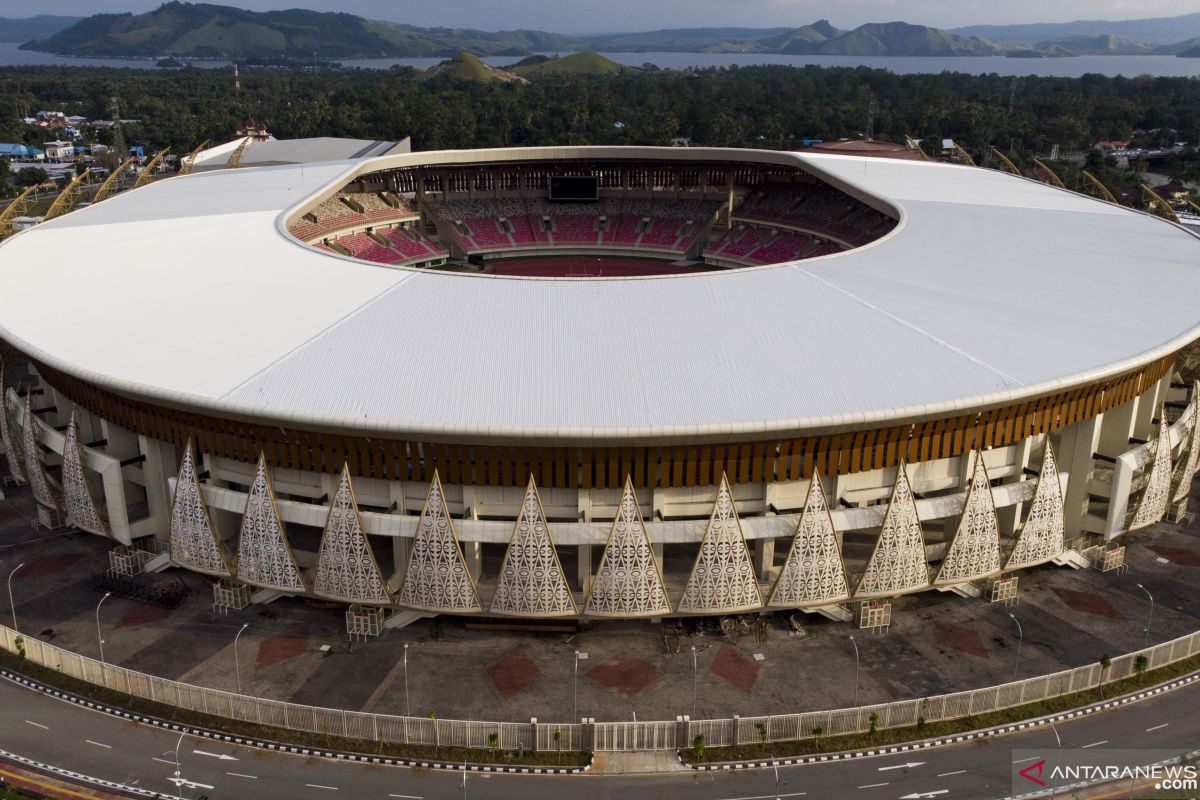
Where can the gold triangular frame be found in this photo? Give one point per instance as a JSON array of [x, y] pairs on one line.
[[77, 492], [400, 598], [264, 468], [901, 478], [386, 592], [682, 606], [573, 611], [980, 467], [663, 610], [43, 491], [15, 451], [814, 488], [222, 552], [1049, 463]]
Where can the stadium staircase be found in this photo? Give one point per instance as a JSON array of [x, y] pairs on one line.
[[1073, 559], [833, 611]]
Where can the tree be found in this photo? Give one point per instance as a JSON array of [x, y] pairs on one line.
[[698, 746], [1140, 665], [31, 176], [5, 176]]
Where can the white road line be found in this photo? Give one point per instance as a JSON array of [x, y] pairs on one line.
[[408, 796], [319, 786], [948, 774], [1155, 728], [37, 724], [751, 797], [240, 775], [872, 785], [1023, 760], [102, 744], [162, 760], [1094, 744]]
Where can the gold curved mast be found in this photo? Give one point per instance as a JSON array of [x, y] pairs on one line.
[[1009, 166], [1105, 194], [964, 155], [235, 160], [109, 186], [1049, 173], [915, 146], [1161, 207], [187, 162], [18, 207], [67, 197], [148, 171]]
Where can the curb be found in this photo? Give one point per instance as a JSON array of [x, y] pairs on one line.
[[928, 743], [77, 777], [266, 744]]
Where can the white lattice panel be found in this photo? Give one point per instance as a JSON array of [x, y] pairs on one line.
[[437, 578], [228, 595], [813, 573], [722, 579], [1042, 537], [346, 567], [1004, 590], [78, 503], [1155, 497], [532, 582], [35, 471], [15, 453], [1186, 472], [874, 615], [628, 582], [265, 558], [362, 622], [195, 542], [897, 564], [974, 550]]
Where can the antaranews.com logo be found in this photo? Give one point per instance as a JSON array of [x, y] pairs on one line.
[[1049, 769]]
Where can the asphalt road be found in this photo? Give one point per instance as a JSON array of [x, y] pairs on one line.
[[99, 745]]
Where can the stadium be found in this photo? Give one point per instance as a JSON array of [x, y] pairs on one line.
[[583, 383]]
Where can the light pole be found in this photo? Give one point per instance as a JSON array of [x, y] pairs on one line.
[[407, 707], [99, 637], [1149, 619], [1057, 738], [11, 604], [695, 679], [855, 670], [177, 780], [575, 690], [464, 778], [1020, 639], [775, 764], [236, 664]]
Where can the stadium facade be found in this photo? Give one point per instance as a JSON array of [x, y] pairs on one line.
[[809, 380]]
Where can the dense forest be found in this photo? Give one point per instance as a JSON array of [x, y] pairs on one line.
[[762, 107]]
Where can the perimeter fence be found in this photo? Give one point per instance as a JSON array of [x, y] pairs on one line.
[[589, 734]]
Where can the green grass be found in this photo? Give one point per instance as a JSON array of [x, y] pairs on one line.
[[286, 736], [935, 730], [586, 63]]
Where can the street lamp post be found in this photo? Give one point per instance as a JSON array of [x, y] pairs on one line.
[[407, 706], [177, 780], [1020, 640], [1149, 619], [775, 764], [464, 778], [855, 670], [1057, 738], [236, 664], [99, 636], [695, 679], [574, 687], [11, 604]]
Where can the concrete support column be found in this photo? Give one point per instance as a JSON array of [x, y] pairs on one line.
[[158, 467], [472, 551], [1077, 443], [1149, 404], [1117, 427], [400, 548], [764, 556], [583, 560], [122, 445]]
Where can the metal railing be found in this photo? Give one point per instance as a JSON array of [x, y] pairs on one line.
[[611, 736]]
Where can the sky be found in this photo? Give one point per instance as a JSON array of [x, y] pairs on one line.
[[597, 16]]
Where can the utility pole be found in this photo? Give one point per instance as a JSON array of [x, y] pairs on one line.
[[118, 134], [871, 117], [237, 81]]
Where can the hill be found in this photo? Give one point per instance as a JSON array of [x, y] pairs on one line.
[[586, 63], [23, 30], [202, 30], [684, 40], [469, 67], [1104, 44], [1156, 30], [896, 39]]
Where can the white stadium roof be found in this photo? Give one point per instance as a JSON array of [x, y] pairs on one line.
[[991, 289]]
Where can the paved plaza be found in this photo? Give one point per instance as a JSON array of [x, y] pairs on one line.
[[299, 652]]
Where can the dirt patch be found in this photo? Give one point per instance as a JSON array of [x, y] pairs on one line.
[[1089, 603], [735, 668], [1177, 555], [625, 674], [142, 614], [514, 673], [959, 637], [280, 648], [48, 565]]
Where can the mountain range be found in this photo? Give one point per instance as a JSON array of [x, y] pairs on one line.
[[202, 30]]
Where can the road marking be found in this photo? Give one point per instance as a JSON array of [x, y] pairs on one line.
[[240, 775], [1023, 760], [319, 786], [925, 795], [221, 756], [909, 765], [752, 797], [1155, 728], [948, 774], [872, 785], [100, 744], [37, 724], [163, 760], [1094, 744], [409, 796]]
